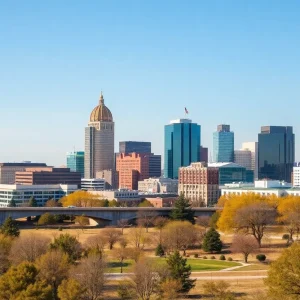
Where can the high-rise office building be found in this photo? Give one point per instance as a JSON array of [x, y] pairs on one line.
[[99, 141], [203, 154], [133, 146], [182, 146], [223, 144], [253, 147], [243, 158], [75, 161], [276, 152]]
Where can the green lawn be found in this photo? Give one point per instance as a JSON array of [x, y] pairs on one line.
[[197, 265]]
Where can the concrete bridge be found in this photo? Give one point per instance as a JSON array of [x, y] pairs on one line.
[[102, 215]]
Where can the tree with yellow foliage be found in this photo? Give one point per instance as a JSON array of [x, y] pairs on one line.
[[289, 214], [249, 212], [83, 199]]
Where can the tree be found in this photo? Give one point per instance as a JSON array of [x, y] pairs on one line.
[[145, 203], [10, 228], [112, 236], [90, 274], [145, 218], [218, 290], [250, 213], [5, 246], [82, 221], [138, 238], [211, 242], [32, 202], [204, 221], [47, 219], [179, 270], [54, 267], [12, 203], [21, 280], [122, 224], [159, 251], [70, 289], [214, 220], [28, 248], [178, 235], [83, 199], [37, 291], [95, 244], [122, 253], [160, 223], [182, 210], [67, 244], [245, 244], [289, 214], [52, 203], [284, 274], [170, 289], [113, 203]]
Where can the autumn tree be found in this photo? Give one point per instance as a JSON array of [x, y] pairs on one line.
[[182, 210], [138, 238], [53, 269], [5, 246], [112, 236], [212, 242], [82, 199], [70, 289], [10, 228], [170, 289], [289, 214], [82, 221], [145, 203], [52, 203], [249, 213], [95, 244], [90, 274], [47, 219], [67, 244], [122, 224], [179, 235], [218, 290], [245, 244], [284, 274], [28, 247], [145, 218]]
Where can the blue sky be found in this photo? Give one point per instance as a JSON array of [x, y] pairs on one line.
[[235, 62]]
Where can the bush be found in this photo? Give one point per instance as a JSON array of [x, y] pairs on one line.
[[204, 257], [229, 259], [212, 257], [59, 228], [222, 257], [261, 257], [159, 251], [286, 236], [196, 255]]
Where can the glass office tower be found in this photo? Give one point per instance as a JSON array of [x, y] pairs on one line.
[[223, 144], [182, 146], [276, 152], [132, 146], [75, 161]]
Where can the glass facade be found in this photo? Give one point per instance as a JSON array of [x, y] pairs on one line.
[[182, 146], [75, 161], [223, 146], [232, 174], [130, 146], [276, 152]]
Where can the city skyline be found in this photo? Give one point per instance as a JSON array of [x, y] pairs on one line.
[[232, 63]]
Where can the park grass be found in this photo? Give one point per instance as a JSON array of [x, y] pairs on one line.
[[197, 265], [256, 267]]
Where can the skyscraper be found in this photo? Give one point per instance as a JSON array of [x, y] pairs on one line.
[[223, 144], [75, 161], [182, 146], [253, 147], [132, 146], [276, 152], [99, 141]]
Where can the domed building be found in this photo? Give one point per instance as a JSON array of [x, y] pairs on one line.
[[99, 141]]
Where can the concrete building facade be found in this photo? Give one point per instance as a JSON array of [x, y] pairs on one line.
[[92, 184], [99, 141], [158, 185], [296, 176], [243, 158], [200, 184]]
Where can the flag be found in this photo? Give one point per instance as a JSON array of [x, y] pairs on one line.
[[186, 111]]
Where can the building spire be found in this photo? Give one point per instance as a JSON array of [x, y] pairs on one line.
[[101, 98]]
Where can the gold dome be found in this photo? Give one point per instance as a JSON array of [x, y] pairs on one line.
[[101, 112]]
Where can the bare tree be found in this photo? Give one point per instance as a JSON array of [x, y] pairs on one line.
[[245, 244], [160, 223], [255, 218], [122, 252], [90, 274], [122, 224], [112, 236], [138, 238], [28, 248], [203, 221], [146, 218], [95, 244]]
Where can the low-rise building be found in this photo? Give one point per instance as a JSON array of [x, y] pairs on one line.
[[93, 184], [158, 185], [21, 194], [296, 176], [162, 201]]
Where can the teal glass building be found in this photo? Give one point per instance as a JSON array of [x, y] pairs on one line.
[[182, 146], [223, 144], [75, 161]]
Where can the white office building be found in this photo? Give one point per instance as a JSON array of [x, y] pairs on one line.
[[21, 194], [158, 185], [93, 184], [296, 176]]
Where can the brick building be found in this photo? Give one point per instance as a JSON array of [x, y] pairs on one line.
[[199, 184], [131, 168]]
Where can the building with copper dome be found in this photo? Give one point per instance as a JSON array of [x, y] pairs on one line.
[[99, 141]]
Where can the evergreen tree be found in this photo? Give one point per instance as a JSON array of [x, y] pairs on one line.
[[180, 271], [211, 241], [32, 202], [12, 203], [182, 210], [10, 228], [159, 251]]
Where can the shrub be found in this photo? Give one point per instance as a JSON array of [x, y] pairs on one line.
[[196, 255], [261, 257], [204, 257], [286, 236], [59, 228], [212, 257], [222, 257], [229, 259], [159, 251]]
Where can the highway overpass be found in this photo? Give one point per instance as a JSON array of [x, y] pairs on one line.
[[102, 215]]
